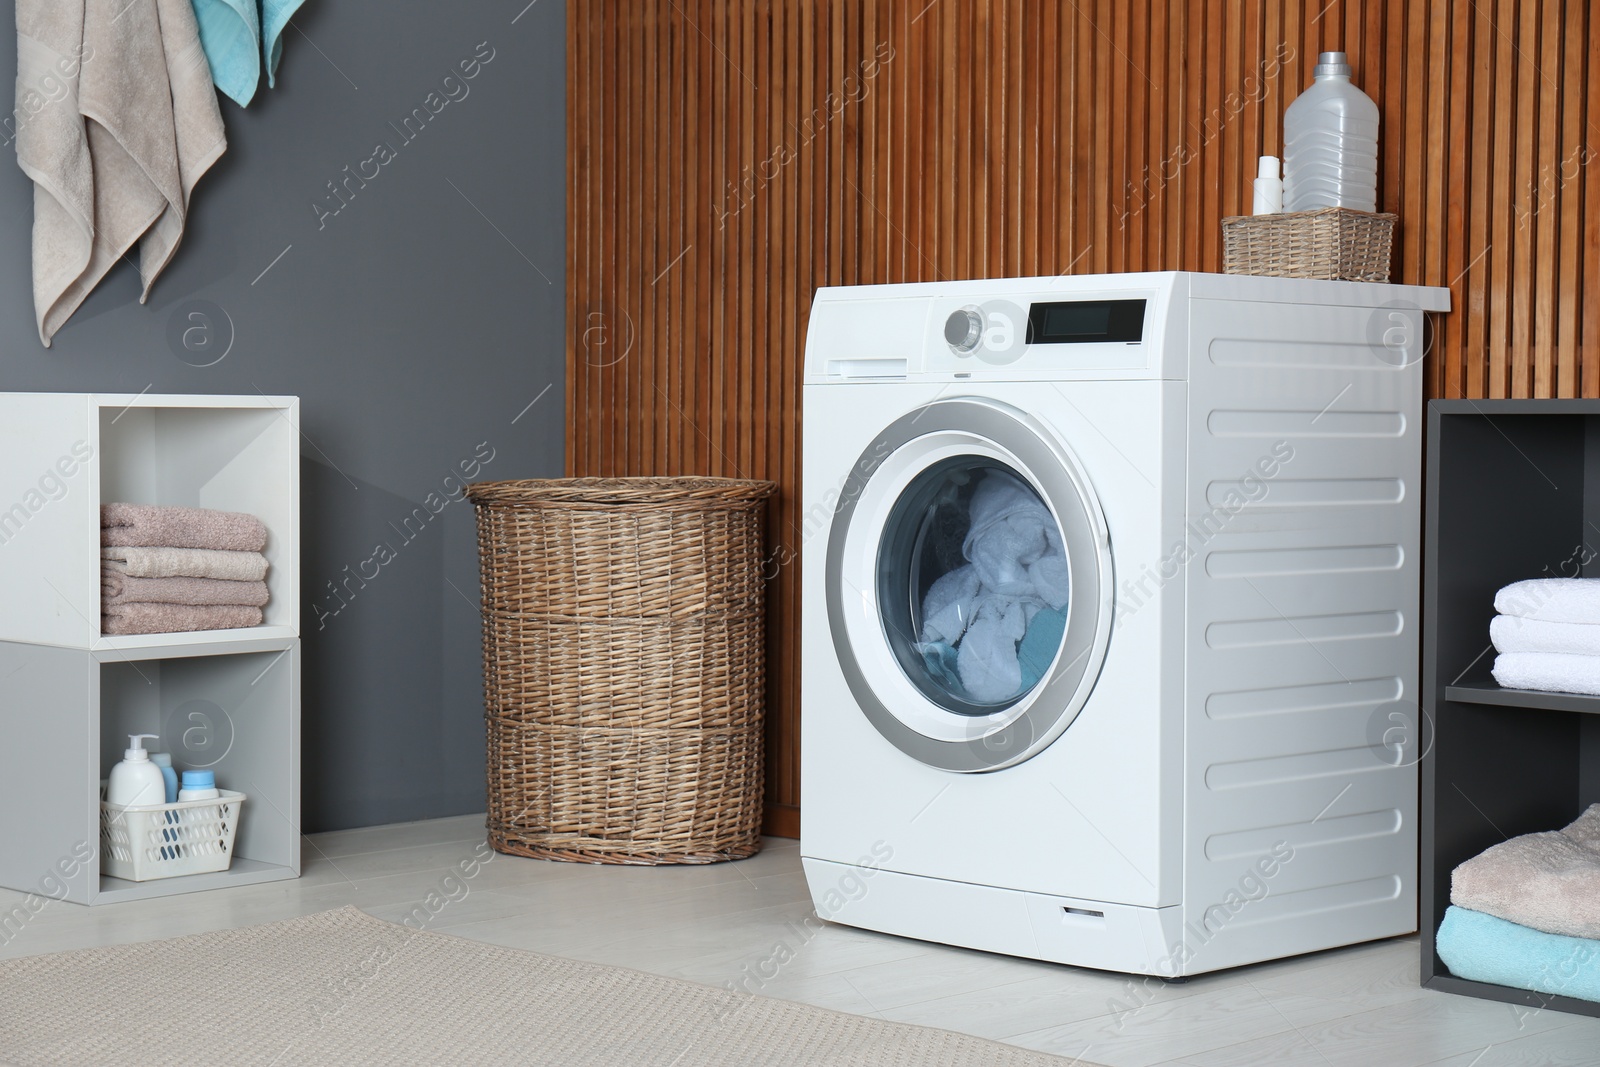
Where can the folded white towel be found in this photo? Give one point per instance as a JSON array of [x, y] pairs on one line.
[[1511, 633], [1551, 599], [1551, 672]]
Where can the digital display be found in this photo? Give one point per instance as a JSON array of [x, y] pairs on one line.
[[1078, 322]]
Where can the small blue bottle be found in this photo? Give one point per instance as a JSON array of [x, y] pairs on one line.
[[163, 760], [170, 776]]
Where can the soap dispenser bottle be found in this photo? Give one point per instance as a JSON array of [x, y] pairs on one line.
[[135, 781]]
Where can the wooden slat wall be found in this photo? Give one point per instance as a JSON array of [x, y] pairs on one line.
[[726, 158]]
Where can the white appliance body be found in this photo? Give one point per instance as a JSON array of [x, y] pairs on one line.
[[1218, 766]]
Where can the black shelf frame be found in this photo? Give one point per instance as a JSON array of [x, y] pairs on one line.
[[1513, 492]]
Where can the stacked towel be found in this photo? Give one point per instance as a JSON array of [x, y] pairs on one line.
[[1483, 948], [118, 588], [148, 562], [1526, 912], [1548, 635], [172, 570]]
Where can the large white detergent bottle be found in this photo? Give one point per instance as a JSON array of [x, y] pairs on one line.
[[136, 781], [1330, 143]]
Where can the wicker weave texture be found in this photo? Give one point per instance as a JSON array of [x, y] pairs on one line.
[[1331, 243], [624, 667]]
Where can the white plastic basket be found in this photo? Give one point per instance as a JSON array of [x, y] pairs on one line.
[[165, 840]]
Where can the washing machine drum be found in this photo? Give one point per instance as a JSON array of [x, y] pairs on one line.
[[969, 584]]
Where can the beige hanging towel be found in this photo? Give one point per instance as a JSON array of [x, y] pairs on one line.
[[114, 147]]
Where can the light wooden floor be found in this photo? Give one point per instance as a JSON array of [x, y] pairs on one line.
[[748, 922]]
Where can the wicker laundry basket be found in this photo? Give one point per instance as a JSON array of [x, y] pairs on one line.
[[624, 667], [1333, 243]]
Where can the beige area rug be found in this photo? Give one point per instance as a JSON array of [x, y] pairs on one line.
[[343, 988]]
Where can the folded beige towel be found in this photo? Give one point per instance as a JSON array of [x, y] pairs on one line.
[[175, 618], [1548, 881], [168, 527], [154, 561], [118, 588], [115, 155]]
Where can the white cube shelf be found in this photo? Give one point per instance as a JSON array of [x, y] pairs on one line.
[[64, 454], [224, 699]]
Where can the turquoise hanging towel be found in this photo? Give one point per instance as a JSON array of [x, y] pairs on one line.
[[275, 15], [238, 35], [230, 33]]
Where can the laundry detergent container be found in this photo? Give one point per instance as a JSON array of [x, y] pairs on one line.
[[624, 667]]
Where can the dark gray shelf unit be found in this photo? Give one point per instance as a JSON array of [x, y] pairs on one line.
[[1513, 491]]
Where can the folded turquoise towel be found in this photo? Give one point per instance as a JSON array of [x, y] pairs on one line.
[[1486, 949], [236, 35]]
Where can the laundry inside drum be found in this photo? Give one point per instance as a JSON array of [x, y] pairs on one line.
[[973, 583]]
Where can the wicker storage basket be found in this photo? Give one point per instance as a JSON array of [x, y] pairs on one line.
[[624, 667], [1333, 243]]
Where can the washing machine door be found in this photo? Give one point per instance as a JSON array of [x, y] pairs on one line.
[[969, 584]]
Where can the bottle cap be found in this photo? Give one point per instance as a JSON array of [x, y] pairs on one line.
[[135, 750], [199, 780], [1268, 168], [161, 759], [1335, 64]]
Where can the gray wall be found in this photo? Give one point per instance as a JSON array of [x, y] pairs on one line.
[[416, 324]]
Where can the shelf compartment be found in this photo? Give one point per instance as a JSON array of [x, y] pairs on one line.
[[223, 458], [233, 714], [67, 715], [1513, 492], [66, 453]]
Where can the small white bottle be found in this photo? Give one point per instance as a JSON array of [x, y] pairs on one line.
[[1268, 188], [199, 785], [135, 781]]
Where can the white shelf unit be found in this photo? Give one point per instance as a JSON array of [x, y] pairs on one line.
[[224, 699]]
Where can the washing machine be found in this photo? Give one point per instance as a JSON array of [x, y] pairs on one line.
[[1109, 614]]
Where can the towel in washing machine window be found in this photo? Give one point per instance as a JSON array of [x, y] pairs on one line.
[[980, 614]]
